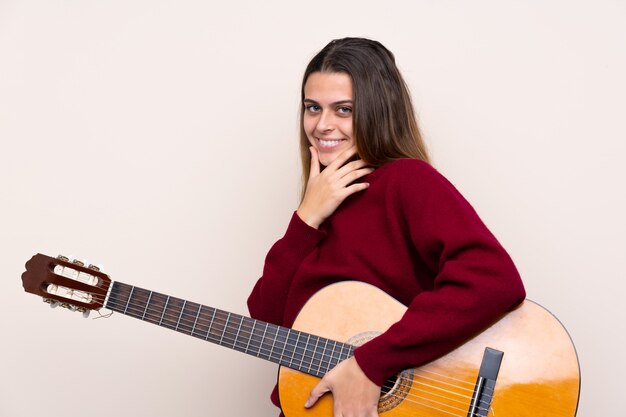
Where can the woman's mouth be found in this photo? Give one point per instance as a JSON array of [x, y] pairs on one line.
[[329, 143]]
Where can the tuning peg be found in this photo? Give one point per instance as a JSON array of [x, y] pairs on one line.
[[53, 303], [96, 268], [58, 269], [86, 313]]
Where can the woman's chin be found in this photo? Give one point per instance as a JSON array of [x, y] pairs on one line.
[[327, 158]]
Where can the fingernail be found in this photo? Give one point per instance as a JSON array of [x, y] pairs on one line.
[[307, 404]]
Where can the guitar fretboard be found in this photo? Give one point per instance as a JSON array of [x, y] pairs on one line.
[[297, 350]]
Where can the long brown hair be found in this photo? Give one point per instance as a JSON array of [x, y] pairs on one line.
[[384, 123]]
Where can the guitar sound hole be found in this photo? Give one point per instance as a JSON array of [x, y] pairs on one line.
[[395, 390], [388, 385]]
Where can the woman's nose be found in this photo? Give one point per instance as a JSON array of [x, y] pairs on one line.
[[325, 122]]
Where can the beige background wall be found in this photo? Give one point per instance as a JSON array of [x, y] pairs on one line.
[[159, 139]]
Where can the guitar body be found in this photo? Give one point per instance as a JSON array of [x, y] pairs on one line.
[[539, 374]]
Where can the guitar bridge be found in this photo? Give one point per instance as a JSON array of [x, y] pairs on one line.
[[485, 383]]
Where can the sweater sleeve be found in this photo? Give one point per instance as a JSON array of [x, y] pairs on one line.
[[267, 300], [475, 280]]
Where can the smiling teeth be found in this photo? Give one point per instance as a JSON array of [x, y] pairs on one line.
[[331, 142]]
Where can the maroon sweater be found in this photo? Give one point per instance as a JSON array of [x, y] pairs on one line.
[[412, 235]]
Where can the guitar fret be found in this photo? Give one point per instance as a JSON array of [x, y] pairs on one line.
[[135, 301], [339, 353], [157, 304], [188, 319], [274, 344], [300, 350], [322, 357], [295, 350], [128, 301], [193, 327], [180, 315], [211, 321], [237, 334], [164, 308], [229, 331], [258, 354], [331, 363], [304, 351], [147, 304], [317, 340], [330, 357], [224, 330], [172, 314], [238, 341], [250, 338], [255, 340], [282, 352], [323, 368]]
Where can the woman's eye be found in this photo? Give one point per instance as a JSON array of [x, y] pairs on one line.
[[314, 108], [344, 110]]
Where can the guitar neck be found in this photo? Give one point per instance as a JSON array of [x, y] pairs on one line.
[[297, 350]]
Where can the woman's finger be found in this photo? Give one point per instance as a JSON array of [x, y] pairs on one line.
[[315, 162], [355, 188], [320, 389], [352, 176], [342, 158], [351, 167]]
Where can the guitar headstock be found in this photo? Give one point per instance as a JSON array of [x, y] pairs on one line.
[[66, 283]]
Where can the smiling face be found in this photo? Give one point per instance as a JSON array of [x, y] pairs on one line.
[[327, 116]]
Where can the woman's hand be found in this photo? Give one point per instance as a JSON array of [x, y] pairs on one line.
[[326, 190], [354, 395]]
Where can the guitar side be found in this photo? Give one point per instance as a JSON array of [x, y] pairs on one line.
[[539, 374]]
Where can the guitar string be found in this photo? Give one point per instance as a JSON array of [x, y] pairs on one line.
[[451, 378], [230, 338], [183, 317], [305, 349], [99, 297]]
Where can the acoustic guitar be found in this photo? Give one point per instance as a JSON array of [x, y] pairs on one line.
[[523, 365]]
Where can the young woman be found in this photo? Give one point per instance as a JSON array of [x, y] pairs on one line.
[[374, 210]]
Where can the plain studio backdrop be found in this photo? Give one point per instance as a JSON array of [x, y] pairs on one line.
[[159, 138]]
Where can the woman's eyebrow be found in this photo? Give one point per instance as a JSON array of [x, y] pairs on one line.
[[308, 100]]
